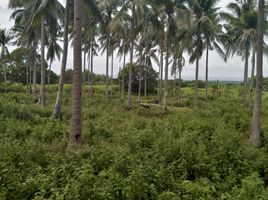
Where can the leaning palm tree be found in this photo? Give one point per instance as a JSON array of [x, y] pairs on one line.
[[57, 107], [76, 122], [255, 137]]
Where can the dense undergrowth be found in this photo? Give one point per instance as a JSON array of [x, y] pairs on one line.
[[137, 154]]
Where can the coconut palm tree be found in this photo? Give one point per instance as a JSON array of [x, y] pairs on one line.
[[40, 15], [108, 8], [57, 107], [5, 39], [76, 122], [213, 33], [28, 39], [119, 26], [255, 137], [241, 28], [172, 9], [201, 12]]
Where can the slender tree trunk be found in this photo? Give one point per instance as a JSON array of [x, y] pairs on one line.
[[48, 76], [174, 85], [84, 68], [166, 67], [140, 78], [5, 78], [57, 107], [179, 87], [43, 67], [107, 68], [252, 79], [91, 70], [88, 69], [197, 66], [245, 78], [112, 71], [76, 122], [196, 84], [30, 79], [161, 74], [207, 74], [145, 80], [34, 64], [131, 57], [123, 78], [255, 137], [27, 77]]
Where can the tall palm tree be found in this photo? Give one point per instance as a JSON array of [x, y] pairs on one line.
[[171, 10], [119, 26], [213, 34], [255, 137], [5, 39], [57, 107], [108, 8], [29, 38], [40, 14], [242, 31], [76, 122], [201, 9]]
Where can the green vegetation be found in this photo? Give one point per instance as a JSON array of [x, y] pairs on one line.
[[99, 137], [136, 154]]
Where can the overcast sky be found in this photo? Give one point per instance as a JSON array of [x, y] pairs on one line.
[[218, 69]]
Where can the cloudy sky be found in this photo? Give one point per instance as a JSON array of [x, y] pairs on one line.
[[218, 69]]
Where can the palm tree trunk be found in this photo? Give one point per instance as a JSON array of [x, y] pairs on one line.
[[166, 67], [43, 68], [145, 80], [88, 69], [107, 68], [112, 71], [179, 87], [5, 78], [197, 66], [207, 74], [245, 78], [140, 78], [48, 76], [30, 79], [196, 84], [255, 137], [84, 67], [161, 73], [57, 107], [131, 57], [34, 64], [91, 71], [76, 122], [252, 79], [123, 78], [174, 85]]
